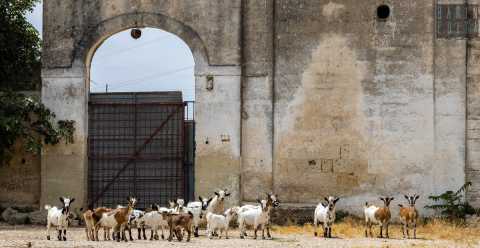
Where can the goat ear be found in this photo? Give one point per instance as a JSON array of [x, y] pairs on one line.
[[336, 199], [406, 197], [258, 200], [325, 198], [61, 199], [72, 200], [227, 194], [416, 197], [381, 199], [391, 198], [216, 193], [200, 198]]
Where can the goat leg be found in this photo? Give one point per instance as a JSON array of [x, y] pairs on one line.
[[59, 236], [195, 233], [415, 230], [268, 231], [65, 234], [189, 233], [387, 231], [381, 231], [255, 232]]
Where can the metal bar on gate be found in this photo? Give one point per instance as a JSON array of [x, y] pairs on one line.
[[136, 154]]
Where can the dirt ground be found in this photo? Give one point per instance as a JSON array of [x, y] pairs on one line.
[[34, 236]]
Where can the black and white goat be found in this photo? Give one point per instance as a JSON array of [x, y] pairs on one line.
[[59, 217], [198, 209], [325, 215]]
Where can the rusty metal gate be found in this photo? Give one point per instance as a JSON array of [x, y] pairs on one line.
[[136, 148]]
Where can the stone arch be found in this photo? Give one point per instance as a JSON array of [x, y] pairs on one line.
[[96, 35]]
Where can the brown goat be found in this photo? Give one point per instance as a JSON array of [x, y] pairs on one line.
[[409, 215], [91, 218], [117, 219], [378, 215], [178, 222]]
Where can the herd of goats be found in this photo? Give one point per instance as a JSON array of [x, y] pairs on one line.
[[179, 218]]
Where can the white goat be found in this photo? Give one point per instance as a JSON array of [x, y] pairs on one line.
[[273, 200], [198, 209], [256, 217], [59, 217], [325, 214], [217, 222], [155, 221]]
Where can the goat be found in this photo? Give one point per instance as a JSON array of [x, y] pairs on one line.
[[59, 217], [256, 217], [271, 199], [177, 222], [154, 219], [198, 208], [217, 204], [91, 219], [220, 222], [117, 219], [325, 214], [378, 215], [409, 215], [135, 220]]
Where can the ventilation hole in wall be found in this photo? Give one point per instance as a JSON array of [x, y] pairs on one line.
[[383, 12]]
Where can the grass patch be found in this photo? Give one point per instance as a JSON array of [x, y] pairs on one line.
[[434, 229]]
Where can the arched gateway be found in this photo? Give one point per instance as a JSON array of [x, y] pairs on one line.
[[66, 73]]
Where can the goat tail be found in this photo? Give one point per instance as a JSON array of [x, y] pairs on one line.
[[47, 207]]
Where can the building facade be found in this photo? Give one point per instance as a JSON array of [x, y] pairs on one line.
[[305, 98]]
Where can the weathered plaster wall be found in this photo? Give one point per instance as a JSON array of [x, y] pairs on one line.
[[355, 103], [20, 179], [472, 168]]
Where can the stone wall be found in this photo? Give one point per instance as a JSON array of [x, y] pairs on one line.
[[316, 97]]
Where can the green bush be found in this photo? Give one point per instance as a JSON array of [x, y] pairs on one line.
[[452, 205], [26, 119]]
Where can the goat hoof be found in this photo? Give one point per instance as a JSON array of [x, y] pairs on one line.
[[196, 235], [315, 233], [263, 237], [64, 238], [242, 237], [48, 237]]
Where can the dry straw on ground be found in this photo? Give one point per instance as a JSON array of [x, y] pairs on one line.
[[434, 229]]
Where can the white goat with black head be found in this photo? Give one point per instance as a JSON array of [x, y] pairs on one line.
[[325, 215], [198, 209], [59, 217]]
